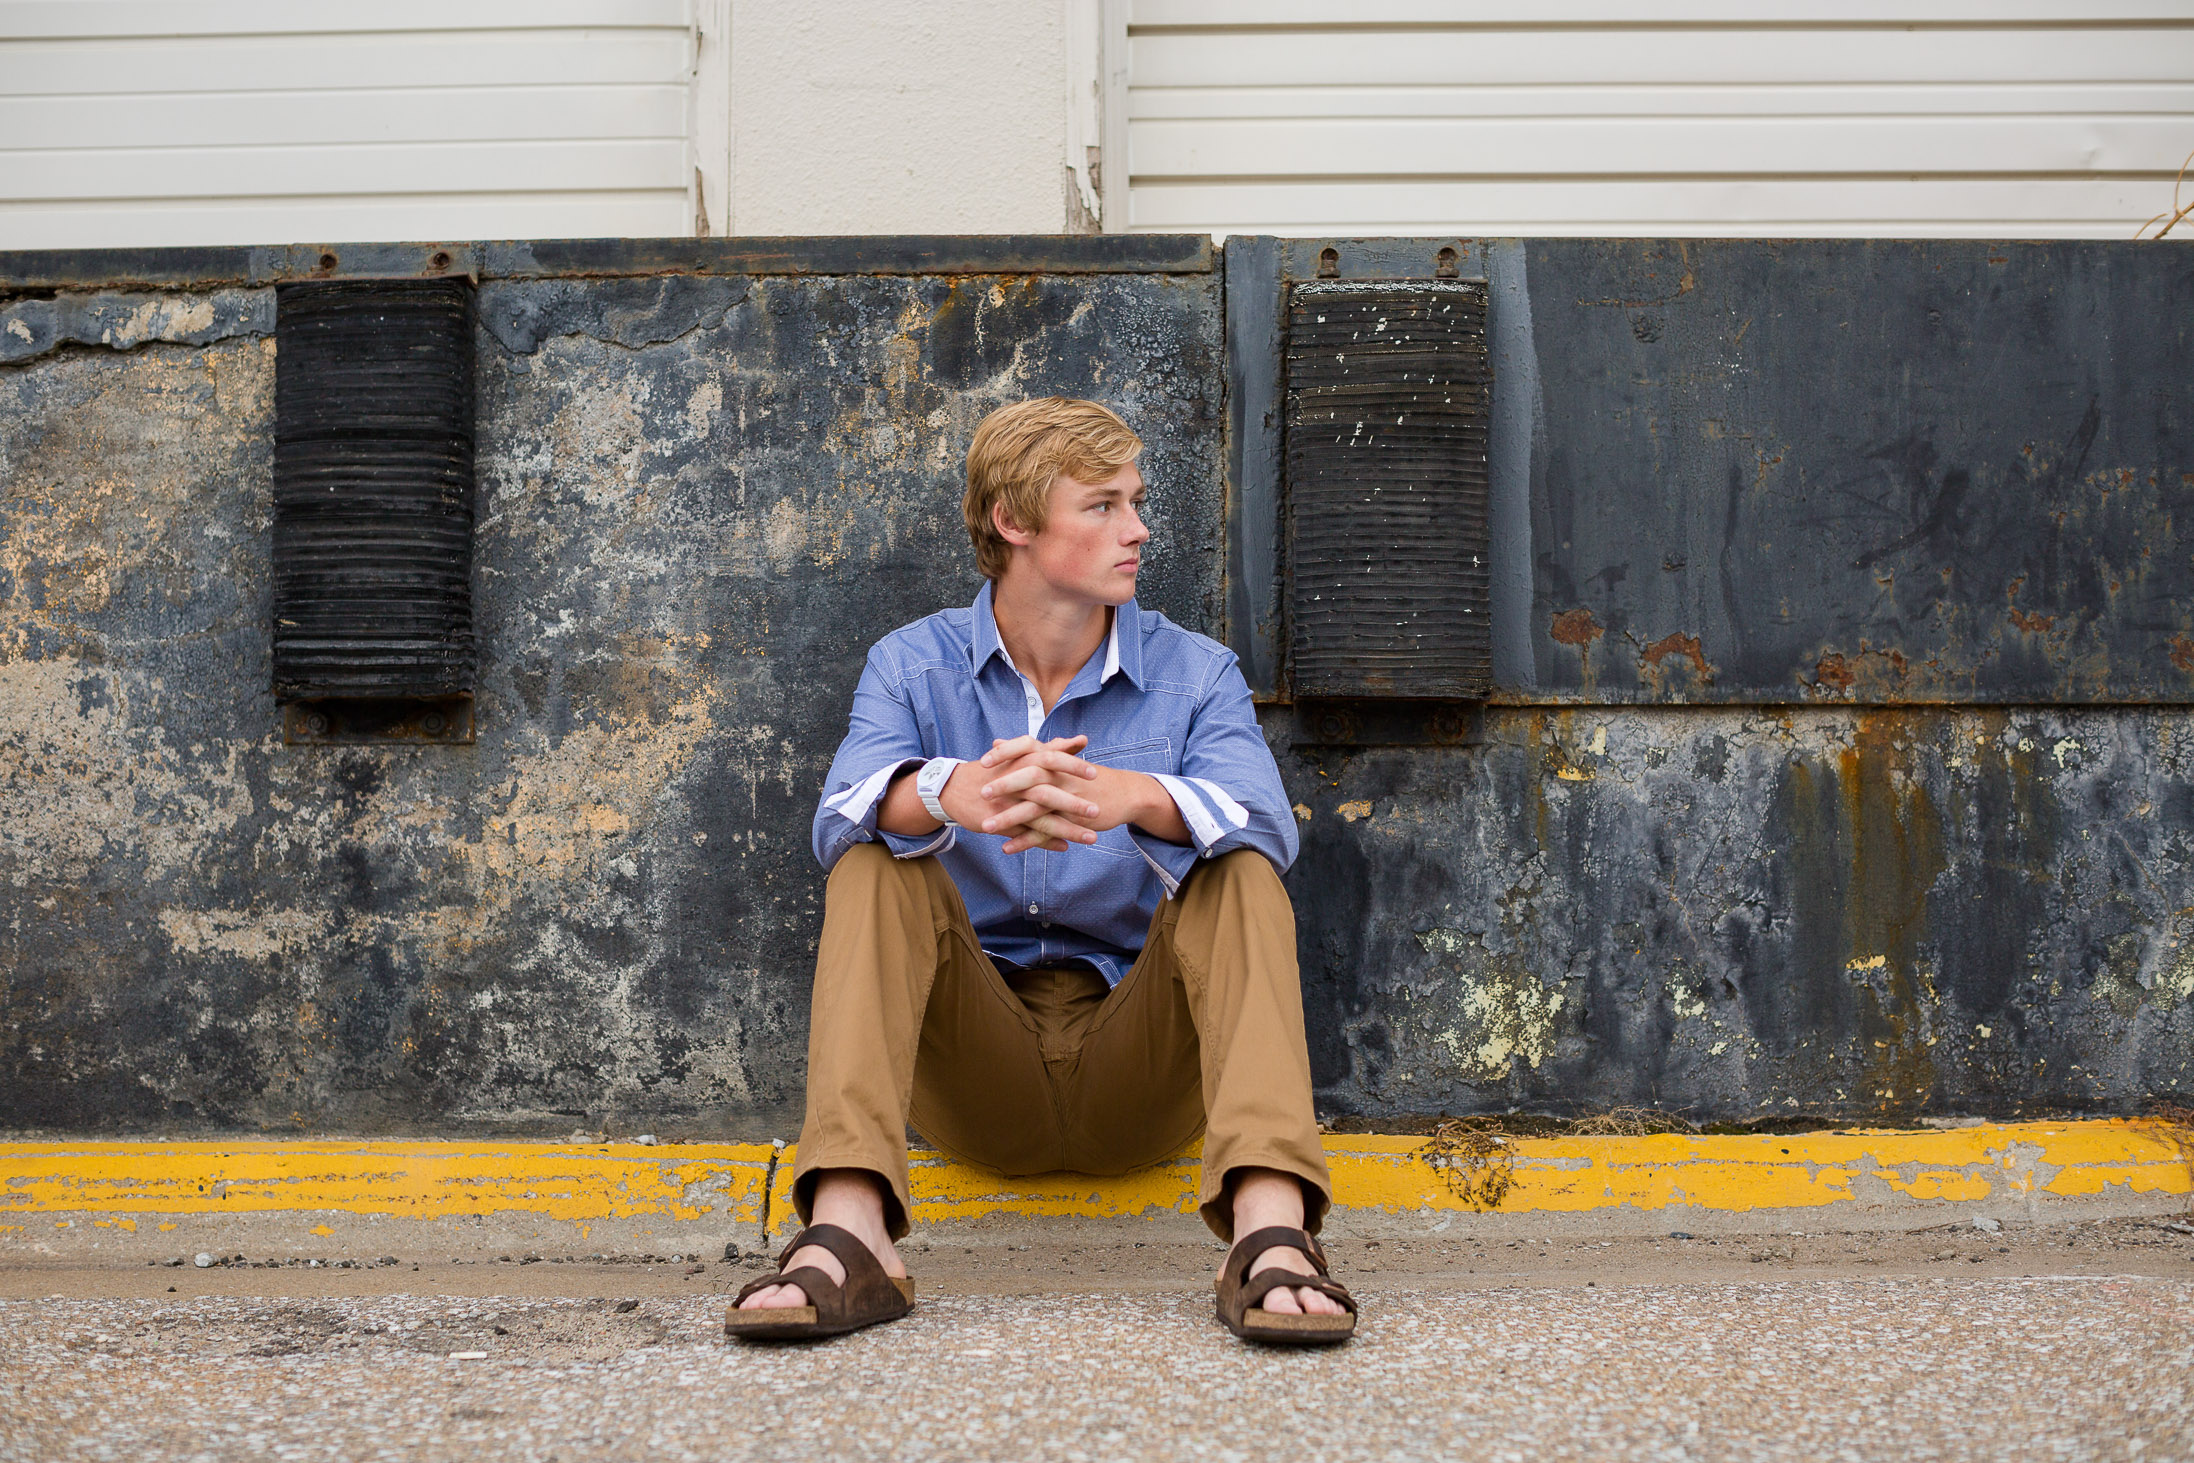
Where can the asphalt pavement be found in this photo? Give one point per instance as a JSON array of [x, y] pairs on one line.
[[1756, 1355]]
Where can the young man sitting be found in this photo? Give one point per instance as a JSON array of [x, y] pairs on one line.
[[1054, 935]]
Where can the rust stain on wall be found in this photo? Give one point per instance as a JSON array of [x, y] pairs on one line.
[[1575, 627]]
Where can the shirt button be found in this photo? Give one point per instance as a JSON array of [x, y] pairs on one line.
[[1032, 909]]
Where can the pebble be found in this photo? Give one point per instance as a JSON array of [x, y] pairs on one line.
[[202, 1260], [1992, 1226]]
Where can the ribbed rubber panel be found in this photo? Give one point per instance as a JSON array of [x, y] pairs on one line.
[[373, 442], [1387, 399]]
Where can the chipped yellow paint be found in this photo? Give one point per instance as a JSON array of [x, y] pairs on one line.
[[722, 1183]]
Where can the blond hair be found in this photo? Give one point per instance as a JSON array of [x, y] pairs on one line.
[[1016, 453]]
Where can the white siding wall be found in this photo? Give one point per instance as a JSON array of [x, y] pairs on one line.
[[2025, 118], [277, 121]]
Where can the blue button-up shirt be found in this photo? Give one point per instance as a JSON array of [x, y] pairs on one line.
[[1157, 699]]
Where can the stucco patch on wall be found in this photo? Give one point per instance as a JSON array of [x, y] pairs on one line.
[[125, 321]]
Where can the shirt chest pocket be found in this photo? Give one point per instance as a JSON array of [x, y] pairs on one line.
[[1152, 755]]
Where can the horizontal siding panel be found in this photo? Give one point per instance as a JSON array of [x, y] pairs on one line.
[[2032, 118], [80, 18], [1824, 103], [267, 172], [210, 119], [2002, 209], [1429, 147], [1363, 14], [1613, 57], [393, 218], [287, 63]]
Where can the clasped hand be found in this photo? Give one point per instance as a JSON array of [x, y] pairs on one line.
[[1038, 794]]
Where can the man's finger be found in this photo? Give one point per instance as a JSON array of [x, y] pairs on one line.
[[1058, 825], [1002, 752], [1030, 774], [1050, 822], [1060, 800]]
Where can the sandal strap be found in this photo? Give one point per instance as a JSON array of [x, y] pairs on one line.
[[1251, 1247], [840, 1242], [867, 1287], [812, 1279], [1253, 1293]]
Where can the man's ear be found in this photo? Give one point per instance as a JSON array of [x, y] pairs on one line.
[[1007, 529]]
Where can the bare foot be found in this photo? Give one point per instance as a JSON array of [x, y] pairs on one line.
[[1264, 1197], [851, 1199]]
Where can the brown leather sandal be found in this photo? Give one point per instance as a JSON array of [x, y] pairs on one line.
[[1241, 1294], [867, 1296]]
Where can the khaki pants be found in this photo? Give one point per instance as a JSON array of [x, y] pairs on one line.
[[1047, 1070]]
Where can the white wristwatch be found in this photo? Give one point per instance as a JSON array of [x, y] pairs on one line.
[[930, 784]]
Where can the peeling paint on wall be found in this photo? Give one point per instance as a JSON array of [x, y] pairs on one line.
[[32, 328], [701, 500], [1744, 913]]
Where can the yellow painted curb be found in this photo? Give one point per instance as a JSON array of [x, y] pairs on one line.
[[415, 1180], [732, 1182]]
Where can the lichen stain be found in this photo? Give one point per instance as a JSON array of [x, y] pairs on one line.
[[1508, 1013], [2182, 653], [2159, 973]]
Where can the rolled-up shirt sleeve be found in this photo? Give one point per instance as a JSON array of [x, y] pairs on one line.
[[882, 740], [1227, 788]]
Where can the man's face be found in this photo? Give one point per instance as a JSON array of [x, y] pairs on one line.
[[1092, 545]]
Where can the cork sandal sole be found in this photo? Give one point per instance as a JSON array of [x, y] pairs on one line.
[[1240, 1294]]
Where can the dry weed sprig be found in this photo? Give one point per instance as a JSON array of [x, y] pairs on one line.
[[1619, 1122], [1477, 1163], [2174, 212]]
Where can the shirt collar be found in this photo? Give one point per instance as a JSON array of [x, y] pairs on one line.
[[1123, 654]]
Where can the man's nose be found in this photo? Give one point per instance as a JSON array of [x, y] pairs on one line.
[[1136, 530]]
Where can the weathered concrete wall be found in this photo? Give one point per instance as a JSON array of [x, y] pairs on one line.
[[1749, 913], [701, 498], [705, 491]]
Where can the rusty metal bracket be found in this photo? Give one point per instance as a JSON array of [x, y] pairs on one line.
[[205, 268], [1389, 723], [343, 722]]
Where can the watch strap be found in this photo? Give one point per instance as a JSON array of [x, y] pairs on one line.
[[929, 783]]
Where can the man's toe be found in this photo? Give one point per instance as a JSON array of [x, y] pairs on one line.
[[777, 1297]]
